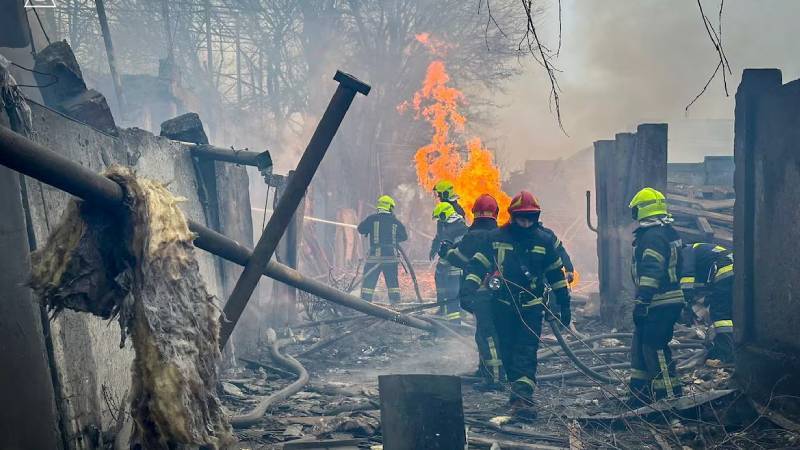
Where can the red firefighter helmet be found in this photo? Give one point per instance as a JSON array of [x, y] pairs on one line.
[[524, 202], [485, 206]]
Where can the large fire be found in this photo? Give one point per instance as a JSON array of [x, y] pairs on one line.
[[438, 103]]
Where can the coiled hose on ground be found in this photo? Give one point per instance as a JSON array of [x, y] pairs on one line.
[[252, 417]]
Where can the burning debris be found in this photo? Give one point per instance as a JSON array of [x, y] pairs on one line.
[[149, 279]]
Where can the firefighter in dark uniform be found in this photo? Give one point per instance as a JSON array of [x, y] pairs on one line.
[[385, 232], [569, 268], [659, 299], [708, 271], [490, 364], [446, 192], [450, 227], [516, 262]]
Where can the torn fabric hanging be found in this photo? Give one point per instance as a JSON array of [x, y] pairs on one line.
[[140, 267]]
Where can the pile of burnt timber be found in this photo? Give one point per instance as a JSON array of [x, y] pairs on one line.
[[702, 213]]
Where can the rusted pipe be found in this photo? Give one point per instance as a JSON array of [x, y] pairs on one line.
[[589, 211], [291, 197], [336, 320], [29, 158], [262, 161]]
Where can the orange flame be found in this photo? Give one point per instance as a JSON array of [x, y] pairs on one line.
[[441, 160]]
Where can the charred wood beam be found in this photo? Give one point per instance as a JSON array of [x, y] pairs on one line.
[[31, 159], [291, 197]]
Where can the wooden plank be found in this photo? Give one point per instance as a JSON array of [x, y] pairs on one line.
[[575, 442], [705, 227], [709, 205], [710, 215]]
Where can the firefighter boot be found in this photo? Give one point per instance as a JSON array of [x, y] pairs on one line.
[[521, 399]]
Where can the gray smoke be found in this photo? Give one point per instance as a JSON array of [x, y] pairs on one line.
[[631, 61]]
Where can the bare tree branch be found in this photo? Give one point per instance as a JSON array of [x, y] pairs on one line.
[[716, 40]]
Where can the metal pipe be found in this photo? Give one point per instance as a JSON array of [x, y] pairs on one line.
[[112, 64], [261, 160], [589, 211], [35, 161], [292, 195]]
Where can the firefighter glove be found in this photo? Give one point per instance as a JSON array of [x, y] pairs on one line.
[[444, 247], [432, 254]]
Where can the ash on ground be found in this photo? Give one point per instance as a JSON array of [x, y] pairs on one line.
[[341, 403]]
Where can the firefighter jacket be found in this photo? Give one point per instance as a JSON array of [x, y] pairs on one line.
[[461, 253], [451, 230], [562, 252], [524, 260], [385, 232], [703, 266], [657, 263], [457, 207]]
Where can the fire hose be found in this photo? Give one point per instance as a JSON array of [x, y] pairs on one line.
[[588, 371], [252, 417], [411, 272]]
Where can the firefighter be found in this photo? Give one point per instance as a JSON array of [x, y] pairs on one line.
[[490, 364], [708, 271], [659, 299], [385, 232], [569, 268], [446, 192], [517, 260], [450, 227]]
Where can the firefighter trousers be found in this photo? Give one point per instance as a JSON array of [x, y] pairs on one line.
[[653, 374], [448, 282], [490, 362], [721, 313], [389, 270], [518, 330]]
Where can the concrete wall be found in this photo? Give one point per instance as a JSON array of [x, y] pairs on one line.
[[693, 174], [713, 171], [93, 373], [767, 238], [622, 167]]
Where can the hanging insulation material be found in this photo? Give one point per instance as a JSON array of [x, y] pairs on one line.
[[140, 267]]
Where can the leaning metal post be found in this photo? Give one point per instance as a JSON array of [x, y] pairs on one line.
[[31, 159], [292, 195]]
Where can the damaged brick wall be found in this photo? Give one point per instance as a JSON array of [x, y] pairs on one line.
[[93, 372], [767, 237]]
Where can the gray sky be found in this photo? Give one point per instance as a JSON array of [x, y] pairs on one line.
[[630, 61]]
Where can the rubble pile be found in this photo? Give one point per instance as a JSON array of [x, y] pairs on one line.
[[703, 213], [340, 406]]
